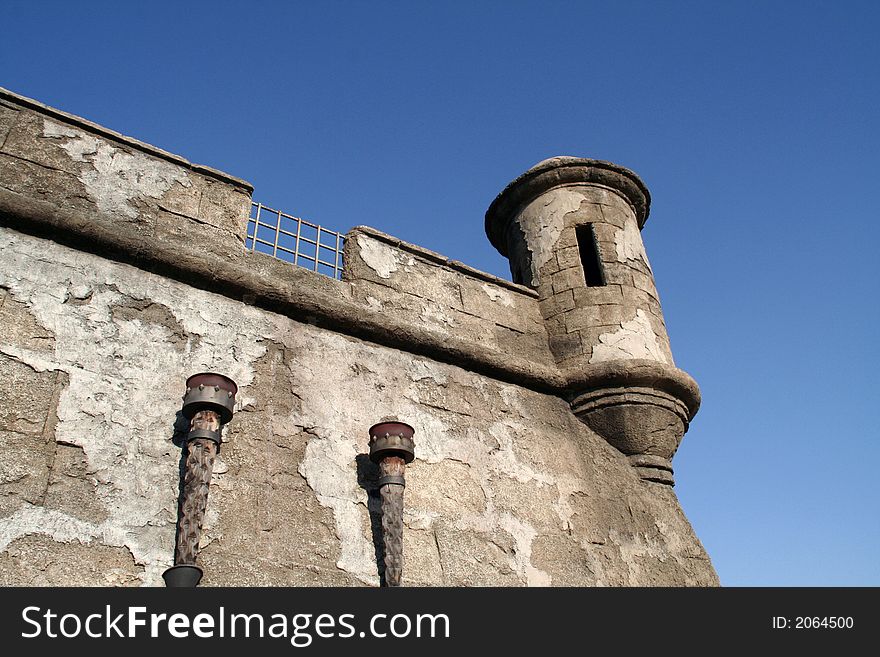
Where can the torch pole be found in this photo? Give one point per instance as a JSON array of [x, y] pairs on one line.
[[208, 404], [391, 448]]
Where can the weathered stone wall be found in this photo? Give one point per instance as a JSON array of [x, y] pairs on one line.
[[70, 162], [123, 271], [448, 298]]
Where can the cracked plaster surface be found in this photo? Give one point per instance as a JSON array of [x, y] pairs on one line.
[[124, 386], [498, 471], [380, 257], [634, 339], [542, 222], [498, 294], [113, 177], [628, 244]]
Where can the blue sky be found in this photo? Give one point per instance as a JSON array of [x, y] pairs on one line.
[[754, 124]]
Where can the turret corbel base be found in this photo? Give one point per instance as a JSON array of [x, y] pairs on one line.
[[641, 409]]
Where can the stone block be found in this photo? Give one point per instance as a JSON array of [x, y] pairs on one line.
[[549, 269], [224, 568], [595, 194], [640, 266], [20, 327], [613, 200], [613, 315], [607, 251], [548, 308], [555, 304], [563, 556], [568, 257], [447, 488], [617, 214], [590, 335], [597, 296], [596, 317], [531, 345], [568, 279], [564, 300], [605, 233], [37, 560], [500, 305], [581, 318], [72, 486], [377, 260], [577, 363], [645, 283], [184, 197], [634, 297], [472, 558], [556, 325], [40, 140], [28, 397], [616, 273], [279, 524], [34, 181], [565, 346], [422, 565], [567, 239], [24, 469], [532, 502], [222, 205], [8, 117]]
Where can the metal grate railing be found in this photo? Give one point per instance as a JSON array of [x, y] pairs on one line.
[[295, 240]]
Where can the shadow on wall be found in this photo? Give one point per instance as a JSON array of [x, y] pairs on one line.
[[179, 430], [368, 479]]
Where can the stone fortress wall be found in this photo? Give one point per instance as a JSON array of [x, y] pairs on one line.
[[546, 411]]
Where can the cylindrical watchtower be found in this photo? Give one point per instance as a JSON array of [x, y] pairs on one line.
[[571, 228]]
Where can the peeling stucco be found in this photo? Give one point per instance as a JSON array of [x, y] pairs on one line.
[[114, 178], [124, 383], [497, 294], [542, 221], [628, 244], [327, 466], [378, 256], [634, 339], [338, 416], [30, 519], [436, 314]]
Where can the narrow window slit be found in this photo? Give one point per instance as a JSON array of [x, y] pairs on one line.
[[589, 250]]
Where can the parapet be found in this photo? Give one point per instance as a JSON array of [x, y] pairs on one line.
[[100, 191]]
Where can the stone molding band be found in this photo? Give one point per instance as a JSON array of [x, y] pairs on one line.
[[207, 434], [557, 172], [396, 480]]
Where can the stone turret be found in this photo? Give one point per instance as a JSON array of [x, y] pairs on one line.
[[571, 228]]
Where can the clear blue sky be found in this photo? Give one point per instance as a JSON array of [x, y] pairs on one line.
[[754, 124]]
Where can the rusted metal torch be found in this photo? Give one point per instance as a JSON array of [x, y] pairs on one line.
[[391, 448], [208, 405]]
